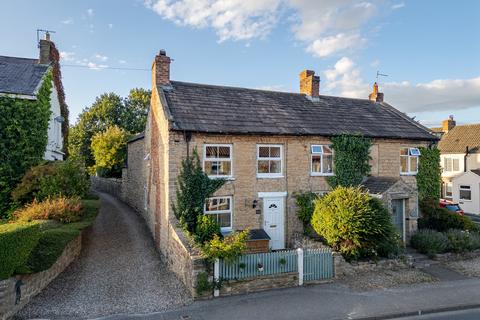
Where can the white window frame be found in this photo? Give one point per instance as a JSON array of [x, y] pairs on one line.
[[215, 212], [452, 160], [321, 173], [218, 159], [448, 184], [270, 175], [464, 189], [411, 150]]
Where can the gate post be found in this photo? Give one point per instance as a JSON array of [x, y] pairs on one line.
[[216, 277], [300, 266]]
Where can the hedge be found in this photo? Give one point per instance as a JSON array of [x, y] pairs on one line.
[[17, 240]]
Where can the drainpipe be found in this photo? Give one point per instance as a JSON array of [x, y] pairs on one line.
[[187, 135], [465, 159]]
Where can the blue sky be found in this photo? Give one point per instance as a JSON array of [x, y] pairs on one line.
[[430, 49]]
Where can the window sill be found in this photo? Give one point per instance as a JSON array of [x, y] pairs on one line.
[[322, 174], [270, 177], [408, 174], [228, 178]]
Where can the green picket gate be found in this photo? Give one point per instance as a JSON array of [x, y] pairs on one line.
[[317, 264]]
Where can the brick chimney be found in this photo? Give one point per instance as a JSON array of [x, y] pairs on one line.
[[309, 83], [161, 69], [375, 95], [448, 124], [45, 45]]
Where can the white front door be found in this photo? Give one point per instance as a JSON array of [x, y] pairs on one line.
[[273, 221]]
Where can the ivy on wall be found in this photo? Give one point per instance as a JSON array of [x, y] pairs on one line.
[[429, 176], [24, 133], [350, 161]]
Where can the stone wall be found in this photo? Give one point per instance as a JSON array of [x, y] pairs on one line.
[[343, 268], [12, 300], [108, 185], [277, 281]]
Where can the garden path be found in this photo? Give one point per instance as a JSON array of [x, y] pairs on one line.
[[118, 271]]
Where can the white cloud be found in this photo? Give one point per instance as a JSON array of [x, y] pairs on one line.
[[67, 56], [325, 26], [67, 21], [90, 13], [437, 95], [100, 57], [274, 87], [398, 5], [110, 26], [122, 61], [90, 64]]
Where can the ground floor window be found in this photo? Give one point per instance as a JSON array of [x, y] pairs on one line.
[[447, 190], [221, 209], [465, 193]]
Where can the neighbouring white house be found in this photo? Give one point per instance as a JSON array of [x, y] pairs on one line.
[[460, 160], [21, 78]]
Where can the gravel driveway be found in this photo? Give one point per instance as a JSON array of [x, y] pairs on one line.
[[118, 271]]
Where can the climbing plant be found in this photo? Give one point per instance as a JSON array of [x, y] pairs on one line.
[[351, 160], [194, 187], [429, 176], [23, 137]]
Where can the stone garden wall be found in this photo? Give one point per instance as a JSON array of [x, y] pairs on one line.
[[108, 185], [17, 291]]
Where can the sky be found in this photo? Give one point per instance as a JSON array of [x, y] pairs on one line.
[[429, 49]]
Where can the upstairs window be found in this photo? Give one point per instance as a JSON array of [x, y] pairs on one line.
[[451, 164], [269, 161], [409, 161], [321, 160], [465, 193], [221, 209], [217, 160]]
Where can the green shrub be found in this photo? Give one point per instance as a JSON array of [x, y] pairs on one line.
[[51, 179], [61, 209], [429, 176], [207, 228], [49, 248], [306, 205], [474, 240], [203, 285], [429, 242], [458, 241], [440, 219], [229, 248], [17, 240], [355, 224]]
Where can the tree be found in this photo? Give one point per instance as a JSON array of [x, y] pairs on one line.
[[109, 151], [351, 160], [194, 187], [429, 176], [109, 109], [23, 138]]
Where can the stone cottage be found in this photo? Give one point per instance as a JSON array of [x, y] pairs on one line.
[[270, 145]]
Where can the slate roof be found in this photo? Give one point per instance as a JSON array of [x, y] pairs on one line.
[[20, 75], [457, 139], [379, 185], [231, 110], [476, 171]]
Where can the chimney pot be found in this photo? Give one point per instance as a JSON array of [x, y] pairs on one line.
[[163, 52], [309, 83], [375, 96]]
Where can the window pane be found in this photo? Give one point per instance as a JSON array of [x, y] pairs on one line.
[[404, 151], [263, 152], [224, 220], [211, 168], [448, 190], [414, 152], [413, 164], [211, 152], [275, 166], [327, 150], [327, 163], [217, 204], [465, 194], [224, 168], [224, 152], [403, 164], [316, 164], [275, 152], [456, 165], [448, 166], [263, 166], [316, 149]]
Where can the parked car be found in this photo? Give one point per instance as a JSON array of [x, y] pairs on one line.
[[451, 206]]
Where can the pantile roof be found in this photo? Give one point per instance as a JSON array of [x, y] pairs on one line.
[[459, 138]]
